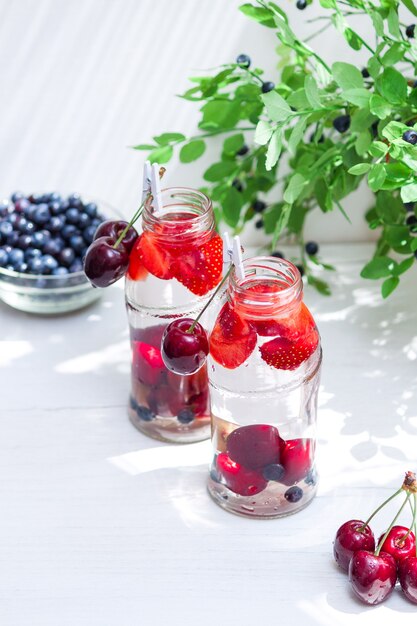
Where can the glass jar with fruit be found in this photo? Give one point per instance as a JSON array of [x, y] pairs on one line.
[[264, 369], [174, 266]]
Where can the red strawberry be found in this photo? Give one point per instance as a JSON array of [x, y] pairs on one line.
[[232, 340], [244, 482], [147, 364], [200, 268], [155, 257], [284, 354], [296, 458], [136, 270]]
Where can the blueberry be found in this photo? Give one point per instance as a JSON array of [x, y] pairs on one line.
[[56, 223], [293, 494], [13, 219], [311, 477], [144, 413], [311, 248], [411, 220], [16, 256], [77, 243], [243, 150], [5, 229], [91, 209], [35, 265], [342, 123], [259, 223], [278, 255], [25, 241], [374, 129], [48, 263], [409, 206], [243, 60], [4, 257], [39, 239], [55, 208], [13, 238], [237, 185], [301, 4], [365, 72], [4, 208], [22, 267], [75, 200], [41, 215], [410, 136], [275, 471], [259, 206], [83, 221], [16, 195], [32, 253], [68, 231], [76, 266], [185, 416], [52, 247], [301, 269], [35, 198], [88, 233], [21, 224], [72, 215], [55, 197], [66, 256], [60, 271], [409, 31], [267, 86]]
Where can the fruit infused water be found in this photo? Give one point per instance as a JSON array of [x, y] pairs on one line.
[[264, 369], [174, 266]]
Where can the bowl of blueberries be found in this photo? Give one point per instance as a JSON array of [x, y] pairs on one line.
[[43, 239]]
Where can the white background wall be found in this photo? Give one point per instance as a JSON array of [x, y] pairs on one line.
[[82, 80]]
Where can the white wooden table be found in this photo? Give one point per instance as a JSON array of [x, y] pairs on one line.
[[100, 526]]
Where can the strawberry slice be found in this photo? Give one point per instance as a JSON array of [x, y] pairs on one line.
[[200, 268], [136, 269], [147, 364], [244, 482], [156, 259], [284, 354], [232, 340]]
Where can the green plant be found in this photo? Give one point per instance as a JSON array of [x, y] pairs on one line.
[[317, 134]]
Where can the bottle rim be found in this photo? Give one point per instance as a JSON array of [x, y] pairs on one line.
[[196, 205]]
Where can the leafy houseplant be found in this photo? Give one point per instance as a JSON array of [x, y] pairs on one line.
[[316, 135]]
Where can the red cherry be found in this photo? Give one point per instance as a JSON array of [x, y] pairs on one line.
[[349, 539], [113, 229], [244, 482], [104, 264], [407, 574], [184, 352], [372, 577], [147, 364], [255, 446], [297, 458], [396, 546]]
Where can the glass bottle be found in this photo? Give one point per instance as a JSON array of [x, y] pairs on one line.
[[264, 371], [174, 267]]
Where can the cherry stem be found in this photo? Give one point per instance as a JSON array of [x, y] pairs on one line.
[[219, 286], [381, 543], [132, 221], [413, 522], [362, 528]]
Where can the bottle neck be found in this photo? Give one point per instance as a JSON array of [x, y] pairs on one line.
[[184, 215], [271, 286]]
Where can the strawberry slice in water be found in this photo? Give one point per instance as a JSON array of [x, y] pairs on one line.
[[297, 459], [136, 269], [147, 364], [200, 268], [284, 354], [244, 482], [232, 340], [155, 258]]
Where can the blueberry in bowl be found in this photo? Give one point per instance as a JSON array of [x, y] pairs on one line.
[[43, 240]]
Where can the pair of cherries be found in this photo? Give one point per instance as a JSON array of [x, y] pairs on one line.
[[373, 572]]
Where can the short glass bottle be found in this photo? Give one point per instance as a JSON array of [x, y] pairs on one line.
[[264, 370], [170, 277]]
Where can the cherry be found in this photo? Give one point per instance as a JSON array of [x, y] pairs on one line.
[[372, 577], [184, 352], [255, 446], [113, 229], [296, 457], [395, 544], [244, 482], [104, 264], [407, 574], [351, 537]]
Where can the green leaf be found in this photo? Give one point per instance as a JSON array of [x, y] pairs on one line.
[[392, 86], [414, 245], [263, 16], [274, 149], [358, 96], [312, 92], [220, 170], [378, 149], [161, 155], [144, 146], [398, 238], [294, 188], [192, 151], [277, 108], [378, 23], [378, 267], [404, 266], [376, 176], [263, 133], [166, 138], [363, 142], [328, 4], [379, 107], [271, 216], [393, 24], [347, 76], [321, 286], [231, 205], [220, 114], [297, 135], [409, 193], [233, 143], [394, 54], [389, 285], [359, 169], [410, 6], [352, 38], [282, 222]]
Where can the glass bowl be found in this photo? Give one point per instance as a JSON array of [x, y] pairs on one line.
[[47, 294]]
